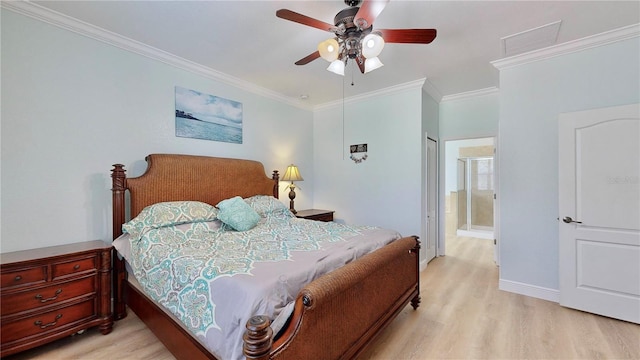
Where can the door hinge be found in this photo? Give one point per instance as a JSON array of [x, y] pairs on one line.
[[495, 242], [494, 196]]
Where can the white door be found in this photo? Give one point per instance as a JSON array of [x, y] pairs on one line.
[[432, 195], [599, 209]]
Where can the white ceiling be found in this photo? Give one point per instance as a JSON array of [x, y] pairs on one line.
[[245, 40]]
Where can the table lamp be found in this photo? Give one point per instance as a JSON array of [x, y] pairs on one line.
[[292, 174]]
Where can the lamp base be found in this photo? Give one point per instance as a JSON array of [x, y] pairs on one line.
[[292, 195]]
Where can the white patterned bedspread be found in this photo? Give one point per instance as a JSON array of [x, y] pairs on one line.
[[214, 279]]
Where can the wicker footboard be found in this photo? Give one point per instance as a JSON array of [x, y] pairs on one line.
[[338, 314]]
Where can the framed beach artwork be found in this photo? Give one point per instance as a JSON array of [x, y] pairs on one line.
[[208, 117]]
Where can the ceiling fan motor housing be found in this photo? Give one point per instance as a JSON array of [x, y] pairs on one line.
[[346, 19], [352, 2], [348, 33]]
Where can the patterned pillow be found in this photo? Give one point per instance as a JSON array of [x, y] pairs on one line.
[[169, 213], [265, 205], [237, 214]]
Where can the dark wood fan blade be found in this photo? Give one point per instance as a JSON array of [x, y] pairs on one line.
[[304, 20], [408, 36], [369, 11], [309, 58], [360, 61]]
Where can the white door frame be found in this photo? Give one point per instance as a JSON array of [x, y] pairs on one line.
[[496, 202], [433, 216]]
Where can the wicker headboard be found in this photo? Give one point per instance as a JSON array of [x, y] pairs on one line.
[[171, 177]]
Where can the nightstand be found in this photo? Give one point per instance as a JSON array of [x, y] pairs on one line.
[[315, 214], [49, 293]]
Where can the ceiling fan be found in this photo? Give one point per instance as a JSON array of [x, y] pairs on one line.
[[354, 36]]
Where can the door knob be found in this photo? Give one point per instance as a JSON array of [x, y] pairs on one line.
[[569, 220]]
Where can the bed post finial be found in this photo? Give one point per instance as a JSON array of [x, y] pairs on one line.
[[258, 338], [276, 189], [118, 188], [118, 179]]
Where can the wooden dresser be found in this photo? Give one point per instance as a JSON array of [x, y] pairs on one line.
[[53, 292]]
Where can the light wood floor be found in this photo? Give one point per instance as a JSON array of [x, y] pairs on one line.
[[463, 315]]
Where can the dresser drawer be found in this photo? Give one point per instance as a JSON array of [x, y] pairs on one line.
[[31, 299], [67, 268], [50, 321], [322, 217], [26, 276]]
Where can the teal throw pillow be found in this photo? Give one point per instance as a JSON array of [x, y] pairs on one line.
[[237, 214]]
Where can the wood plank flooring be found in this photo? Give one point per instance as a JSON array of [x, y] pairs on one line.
[[463, 315]]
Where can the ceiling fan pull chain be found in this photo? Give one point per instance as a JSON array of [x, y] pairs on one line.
[[352, 83]]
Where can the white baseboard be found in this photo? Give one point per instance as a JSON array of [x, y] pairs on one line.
[[529, 290]]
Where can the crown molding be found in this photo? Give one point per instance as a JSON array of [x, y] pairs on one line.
[[57, 19], [608, 37], [470, 94], [416, 84]]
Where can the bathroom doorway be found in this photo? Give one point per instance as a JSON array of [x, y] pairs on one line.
[[469, 188], [475, 196]]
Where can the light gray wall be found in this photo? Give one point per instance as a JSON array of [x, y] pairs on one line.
[[430, 116], [73, 106], [384, 190], [470, 116], [532, 96]]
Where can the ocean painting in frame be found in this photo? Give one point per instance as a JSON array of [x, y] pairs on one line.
[[208, 117]]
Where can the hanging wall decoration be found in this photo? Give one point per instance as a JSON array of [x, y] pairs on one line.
[[358, 149], [208, 117]]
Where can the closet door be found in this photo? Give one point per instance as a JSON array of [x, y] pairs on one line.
[[599, 209]]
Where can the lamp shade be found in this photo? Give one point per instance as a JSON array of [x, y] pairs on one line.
[[372, 45], [372, 64], [292, 174], [336, 67], [329, 49]]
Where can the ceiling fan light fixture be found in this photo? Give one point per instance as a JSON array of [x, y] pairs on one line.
[[329, 49], [336, 67], [354, 36], [372, 64], [372, 45]]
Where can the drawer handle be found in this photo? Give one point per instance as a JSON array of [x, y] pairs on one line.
[[17, 278], [76, 267], [39, 297], [44, 326]]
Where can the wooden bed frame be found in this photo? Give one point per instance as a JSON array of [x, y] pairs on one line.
[[335, 316]]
